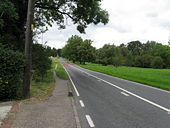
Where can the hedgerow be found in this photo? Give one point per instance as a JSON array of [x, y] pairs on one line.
[[11, 73]]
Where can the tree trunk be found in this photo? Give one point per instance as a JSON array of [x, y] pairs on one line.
[[28, 48]]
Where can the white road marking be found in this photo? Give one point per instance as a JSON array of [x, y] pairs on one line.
[[124, 94], [159, 89], [72, 83], [81, 103], [137, 96], [89, 120], [99, 80]]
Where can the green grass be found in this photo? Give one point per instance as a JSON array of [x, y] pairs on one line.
[[159, 78], [60, 72], [43, 89]]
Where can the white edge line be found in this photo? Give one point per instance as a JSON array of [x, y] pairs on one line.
[[146, 100], [159, 89], [89, 120], [81, 103], [124, 94], [72, 82]]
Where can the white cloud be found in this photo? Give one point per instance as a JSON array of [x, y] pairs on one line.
[[129, 20]]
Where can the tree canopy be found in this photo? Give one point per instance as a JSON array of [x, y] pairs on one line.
[[78, 50], [81, 12], [47, 12], [13, 26], [146, 55]]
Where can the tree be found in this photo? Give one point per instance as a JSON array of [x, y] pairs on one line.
[[41, 62], [78, 50], [80, 12], [105, 54], [157, 62], [143, 61], [135, 47], [86, 52], [70, 51], [48, 11]]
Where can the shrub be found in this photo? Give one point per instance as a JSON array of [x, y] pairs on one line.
[[40, 62], [11, 73], [157, 62], [143, 61]]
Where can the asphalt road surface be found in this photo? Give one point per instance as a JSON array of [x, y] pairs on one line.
[[110, 102]]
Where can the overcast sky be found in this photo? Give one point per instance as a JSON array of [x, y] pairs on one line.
[[129, 20]]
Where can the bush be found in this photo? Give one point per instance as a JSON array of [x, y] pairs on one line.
[[11, 73], [143, 61], [116, 61], [40, 62], [157, 62]]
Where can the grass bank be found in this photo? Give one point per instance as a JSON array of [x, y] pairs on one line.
[[159, 78], [43, 89], [60, 72]]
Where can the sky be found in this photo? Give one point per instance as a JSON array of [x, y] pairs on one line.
[[129, 20]]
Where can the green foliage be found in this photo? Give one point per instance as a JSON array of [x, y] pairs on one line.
[[43, 89], [143, 61], [40, 62], [135, 47], [13, 14], [108, 54], [78, 50], [51, 51], [135, 54], [80, 12], [157, 62], [148, 55], [12, 21], [11, 73], [7, 10]]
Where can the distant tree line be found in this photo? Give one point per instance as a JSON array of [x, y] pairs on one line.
[[136, 54]]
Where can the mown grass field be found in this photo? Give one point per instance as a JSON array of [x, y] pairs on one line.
[[159, 78]]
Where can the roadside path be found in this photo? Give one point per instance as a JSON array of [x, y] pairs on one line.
[[55, 112]]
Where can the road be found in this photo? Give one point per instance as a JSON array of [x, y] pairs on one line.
[[110, 102]]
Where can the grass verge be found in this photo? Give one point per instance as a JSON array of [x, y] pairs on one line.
[[60, 72], [43, 89], [159, 78]]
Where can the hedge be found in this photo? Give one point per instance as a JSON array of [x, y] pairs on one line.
[[11, 73]]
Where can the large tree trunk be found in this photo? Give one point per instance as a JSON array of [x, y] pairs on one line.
[[28, 48]]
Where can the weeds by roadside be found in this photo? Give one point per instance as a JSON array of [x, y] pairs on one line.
[[44, 88]]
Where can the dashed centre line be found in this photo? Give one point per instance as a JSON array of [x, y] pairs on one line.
[[124, 93], [81, 103], [89, 120], [128, 92]]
